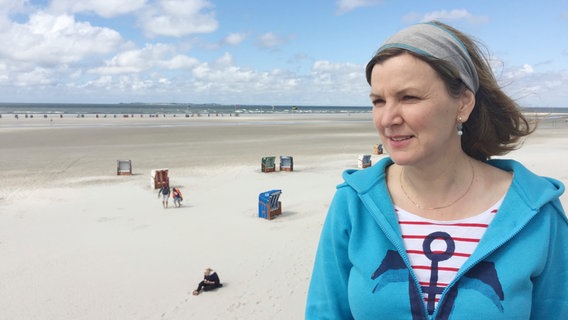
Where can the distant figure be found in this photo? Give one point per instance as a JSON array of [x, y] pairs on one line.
[[210, 281], [165, 193], [178, 198]]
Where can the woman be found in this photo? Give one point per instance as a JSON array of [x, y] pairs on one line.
[[210, 281], [438, 230]]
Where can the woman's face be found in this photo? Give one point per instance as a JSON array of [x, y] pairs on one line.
[[415, 116]]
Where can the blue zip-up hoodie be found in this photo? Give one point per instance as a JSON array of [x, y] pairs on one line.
[[518, 271]]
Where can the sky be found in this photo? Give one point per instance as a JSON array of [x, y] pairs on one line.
[[292, 52]]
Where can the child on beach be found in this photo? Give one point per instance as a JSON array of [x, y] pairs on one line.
[[176, 194], [164, 192], [210, 281]]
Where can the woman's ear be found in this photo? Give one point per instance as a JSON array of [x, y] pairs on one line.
[[467, 102]]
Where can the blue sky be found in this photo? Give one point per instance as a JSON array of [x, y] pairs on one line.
[[293, 52]]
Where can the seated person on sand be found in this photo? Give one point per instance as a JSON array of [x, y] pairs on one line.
[[210, 281], [176, 194]]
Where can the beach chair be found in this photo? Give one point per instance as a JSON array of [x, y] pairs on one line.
[[268, 164], [269, 205], [364, 161], [378, 149], [286, 163], [159, 178], [123, 167]]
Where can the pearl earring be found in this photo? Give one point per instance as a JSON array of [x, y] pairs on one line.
[[460, 126]]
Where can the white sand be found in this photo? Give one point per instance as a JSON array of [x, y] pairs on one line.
[[79, 242]]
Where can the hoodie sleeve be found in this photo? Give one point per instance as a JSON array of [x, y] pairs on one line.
[[550, 292], [327, 294]]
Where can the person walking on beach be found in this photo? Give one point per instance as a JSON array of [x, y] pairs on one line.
[[439, 230], [178, 198], [164, 192], [210, 281]]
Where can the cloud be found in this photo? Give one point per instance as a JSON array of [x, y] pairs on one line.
[[178, 18], [341, 76], [178, 62], [270, 41], [130, 84], [8, 6], [159, 56], [234, 39], [299, 58], [172, 18], [47, 40], [344, 6], [445, 15], [32, 77], [333, 82], [535, 88], [222, 81], [523, 71], [104, 8]]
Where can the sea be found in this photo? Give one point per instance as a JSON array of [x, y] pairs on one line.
[[188, 108], [165, 109]]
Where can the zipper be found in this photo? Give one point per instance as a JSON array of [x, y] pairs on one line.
[[413, 276], [403, 255]]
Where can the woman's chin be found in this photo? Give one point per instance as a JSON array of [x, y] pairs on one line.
[[401, 159]]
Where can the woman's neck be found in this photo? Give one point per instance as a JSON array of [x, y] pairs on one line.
[[436, 187]]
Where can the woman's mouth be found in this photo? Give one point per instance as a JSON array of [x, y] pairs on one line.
[[400, 138]]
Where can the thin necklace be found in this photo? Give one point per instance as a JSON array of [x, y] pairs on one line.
[[440, 207]]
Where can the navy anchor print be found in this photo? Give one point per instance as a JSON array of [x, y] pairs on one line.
[[482, 278]]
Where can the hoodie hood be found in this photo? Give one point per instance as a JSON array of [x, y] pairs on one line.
[[535, 190]]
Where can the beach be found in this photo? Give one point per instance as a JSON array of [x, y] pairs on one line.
[[78, 241]]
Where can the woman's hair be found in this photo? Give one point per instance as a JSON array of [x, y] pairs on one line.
[[496, 124]]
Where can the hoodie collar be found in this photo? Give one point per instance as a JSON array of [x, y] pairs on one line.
[[526, 195]]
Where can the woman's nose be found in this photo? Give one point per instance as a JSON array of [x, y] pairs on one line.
[[388, 115]]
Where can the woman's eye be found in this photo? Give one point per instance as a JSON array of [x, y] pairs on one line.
[[409, 98], [378, 102]]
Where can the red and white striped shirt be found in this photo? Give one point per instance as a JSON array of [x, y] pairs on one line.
[[437, 249]]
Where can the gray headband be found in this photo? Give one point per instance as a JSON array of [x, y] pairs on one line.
[[431, 40]]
